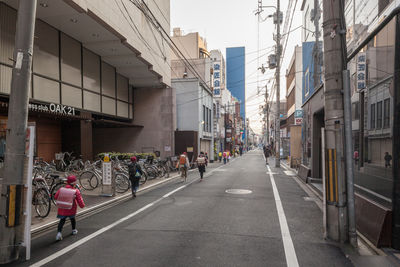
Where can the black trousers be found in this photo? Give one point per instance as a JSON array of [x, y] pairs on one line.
[[62, 222], [202, 169]]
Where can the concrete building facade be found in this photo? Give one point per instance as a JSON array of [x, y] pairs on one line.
[[94, 77], [294, 119], [194, 96], [219, 86]]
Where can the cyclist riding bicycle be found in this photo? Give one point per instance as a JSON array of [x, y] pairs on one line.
[[183, 165]]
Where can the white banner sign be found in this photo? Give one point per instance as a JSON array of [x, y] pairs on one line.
[[107, 173], [361, 71]]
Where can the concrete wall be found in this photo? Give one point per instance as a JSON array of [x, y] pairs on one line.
[[202, 66], [188, 44], [299, 76], [313, 120], [187, 101], [155, 111], [110, 13]]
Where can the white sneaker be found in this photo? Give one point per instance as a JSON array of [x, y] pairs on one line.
[[74, 232], [59, 236]]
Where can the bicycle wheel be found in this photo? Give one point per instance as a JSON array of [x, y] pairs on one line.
[[151, 172], [122, 183], [41, 201], [143, 178], [88, 180], [54, 190]]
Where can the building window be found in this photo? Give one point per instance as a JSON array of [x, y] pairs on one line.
[[71, 61], [386, 113], [204, 118], [379, 115], [209, 121], [372, 116], [355, 113]]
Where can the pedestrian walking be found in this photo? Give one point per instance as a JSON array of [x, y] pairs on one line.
[[135, 173], [228, 156], [201, 164], [388, 158], [183, 165], [220, 156], [267, 152], [67, 199], [224, 156], [356, 157]]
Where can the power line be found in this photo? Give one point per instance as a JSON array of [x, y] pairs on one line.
[[152, 19]]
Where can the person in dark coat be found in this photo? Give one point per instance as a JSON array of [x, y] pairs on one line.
[[135, 173], [201, 164]]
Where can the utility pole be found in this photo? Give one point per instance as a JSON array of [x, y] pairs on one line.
[[339, 210], [278, 86], [11, 203]]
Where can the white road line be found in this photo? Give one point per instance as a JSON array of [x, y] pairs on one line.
[[290, 253], [99, 232], [104, 229], [174, 191]]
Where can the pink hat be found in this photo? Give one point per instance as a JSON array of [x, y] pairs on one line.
[[71, 179], [133, 158]]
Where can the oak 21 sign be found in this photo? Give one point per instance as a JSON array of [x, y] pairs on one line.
[[54, 108]]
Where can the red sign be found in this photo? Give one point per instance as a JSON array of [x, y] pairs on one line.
[[298, 121]]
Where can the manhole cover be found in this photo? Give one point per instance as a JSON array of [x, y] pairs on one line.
[[238, 191]]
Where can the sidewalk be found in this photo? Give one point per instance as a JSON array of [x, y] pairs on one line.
[[95, 202], [366, 254]]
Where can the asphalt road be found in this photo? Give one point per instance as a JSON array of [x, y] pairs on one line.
[[199, 224]]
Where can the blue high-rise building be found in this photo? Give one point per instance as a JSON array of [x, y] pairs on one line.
[[235, 75]]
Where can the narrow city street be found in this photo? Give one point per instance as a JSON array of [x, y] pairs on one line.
[[199, 223]]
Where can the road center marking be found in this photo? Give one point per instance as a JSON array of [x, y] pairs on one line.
[[290, 253]]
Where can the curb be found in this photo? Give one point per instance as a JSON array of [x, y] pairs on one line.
[[372, 248]]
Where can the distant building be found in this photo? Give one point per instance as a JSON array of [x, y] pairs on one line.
[[235, 75], [218, 66], [236, 80], [312, 91], [194, 98], [294, 118]]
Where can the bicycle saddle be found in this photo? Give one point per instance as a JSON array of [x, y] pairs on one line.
[[55, 176]]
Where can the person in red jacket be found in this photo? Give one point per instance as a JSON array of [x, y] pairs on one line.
[[63, 213]]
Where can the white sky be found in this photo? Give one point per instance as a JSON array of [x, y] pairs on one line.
[[229, 23]]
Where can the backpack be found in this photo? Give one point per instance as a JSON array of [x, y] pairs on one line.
[[66, 198], [182, 160], [133, 171], [201, 160]]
